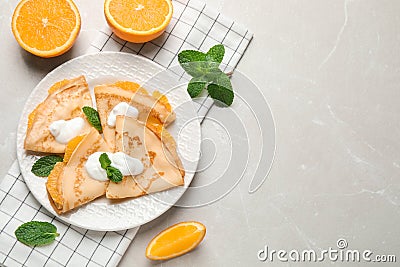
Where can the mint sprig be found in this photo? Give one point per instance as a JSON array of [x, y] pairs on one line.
[[104, 161], [113, 173], [204, 68], [93, 117], [43, 166], [36, 233]]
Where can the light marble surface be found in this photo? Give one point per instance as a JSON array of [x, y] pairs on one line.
[[330, 71]]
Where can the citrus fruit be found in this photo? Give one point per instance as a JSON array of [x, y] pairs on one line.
[[71, 146], [52, 184], [130, 86], [138, 21], [51, 90], [46, 28], [55, 87], [175, 240], [162, 99], [134, 87]]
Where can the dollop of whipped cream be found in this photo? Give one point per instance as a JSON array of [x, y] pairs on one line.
[[122, 108], [127, 165], [63, 131]]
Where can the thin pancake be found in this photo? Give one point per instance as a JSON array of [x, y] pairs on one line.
[[108, 96], [64, 102], [162, 166], [72, 186]]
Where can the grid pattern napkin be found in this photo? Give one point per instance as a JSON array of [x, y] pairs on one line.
[[193, 26]]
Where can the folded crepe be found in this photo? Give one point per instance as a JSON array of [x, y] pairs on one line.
[[108, 96], [69, 185], [156, 148], [64, 102]]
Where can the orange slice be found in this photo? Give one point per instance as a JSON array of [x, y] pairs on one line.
[[31, 116], [162, 99], [53, 184], [70, 147], [46, 28], [51, 90], [138, 21], [134, 87], [57, 86], [131, 86], [175, 240]]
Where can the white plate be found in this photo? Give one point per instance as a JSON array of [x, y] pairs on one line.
[[103, 214]]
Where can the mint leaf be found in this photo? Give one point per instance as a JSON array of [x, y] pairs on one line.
[[220, 78], [105, 161], [93, 117], [43, 166], [216, 53], [221, 89], [195, 86], [221, 93], [114, 174], [36, 233], [193, 62], [204, 68], [187, 56]]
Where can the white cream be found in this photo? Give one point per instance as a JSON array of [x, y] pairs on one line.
[[63, 131], [121, 109], [126, 164]]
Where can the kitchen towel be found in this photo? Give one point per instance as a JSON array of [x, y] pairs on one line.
[[194, 26]]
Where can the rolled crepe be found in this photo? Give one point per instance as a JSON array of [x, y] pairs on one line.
[[108, 96], [69, 185], [156, 149], [64, 102]]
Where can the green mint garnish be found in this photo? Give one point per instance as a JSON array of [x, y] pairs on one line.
[[93, 117], [204, 68], [43, 166], [104, 161], [113, 173], [36, 233], [216, 53], [196, 85]]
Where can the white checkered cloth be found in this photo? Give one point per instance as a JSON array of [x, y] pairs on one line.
[[193, 26]]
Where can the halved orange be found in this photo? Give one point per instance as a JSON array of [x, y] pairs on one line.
[[46, 28], [176, 240], [138, 21]]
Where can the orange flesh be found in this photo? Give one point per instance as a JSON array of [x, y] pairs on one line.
[[70, 147], [52, 183], [57, 86], [131, 86], [162, 99], [134, 87], [52, 180], [176, 240], [31, 116], [139, 15], [46, 25], [51, 90]]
